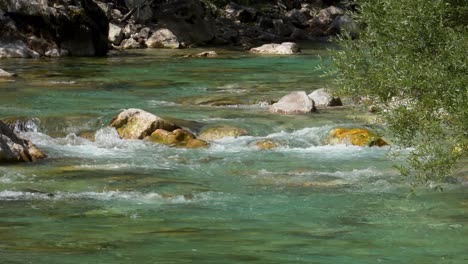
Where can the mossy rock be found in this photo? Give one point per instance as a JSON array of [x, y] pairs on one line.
[[354, 136], [219, 132]]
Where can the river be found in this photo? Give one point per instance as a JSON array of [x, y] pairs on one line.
[[129, 201]]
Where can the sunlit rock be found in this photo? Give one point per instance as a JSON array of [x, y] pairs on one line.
[[5, 75], [266, 144], [203, 54], [283, 48], [293, 103], [16, 149], [354, 136], [219, 132], [323, 98], [163, 38], [137, 124], [176, 138]]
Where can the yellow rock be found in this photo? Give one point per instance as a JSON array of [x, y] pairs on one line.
[[178, 138], [219, 132], [266, 144], [355, 136]]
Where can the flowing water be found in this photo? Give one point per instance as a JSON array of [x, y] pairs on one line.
[[128, 201]]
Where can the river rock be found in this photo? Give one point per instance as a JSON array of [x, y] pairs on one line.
[[130, 44], [322, 98], [204, 54], [163, 38], [219, 132], [283, 48], [354, 136], [293, 103], [137, 124], [177, 138], [266, 144], [5, 75], [116, 34], [16, 149]]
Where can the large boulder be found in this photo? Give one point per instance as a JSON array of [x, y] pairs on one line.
[[283, 48], [42, 26], [163, 38], [293, 103], [323, 98], [137, 124], [354, 136], [16, 149], [219, 132]]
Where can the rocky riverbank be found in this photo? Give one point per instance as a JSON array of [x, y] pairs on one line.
[[54, 28]]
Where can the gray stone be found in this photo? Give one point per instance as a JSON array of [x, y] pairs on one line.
[[13, 148], [116, 34], [5, 75], [130, 44], [283, 48], [322, 98], [163, 38], [293, 103]]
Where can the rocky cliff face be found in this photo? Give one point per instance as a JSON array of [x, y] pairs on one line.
[[33, 28]]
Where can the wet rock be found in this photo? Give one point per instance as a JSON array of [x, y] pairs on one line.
[[219, 132], [137, 124], [56, 53], [16, 149], [203, 54], [354, 136], [6, 75], [163, 38], [266, 144], [116, 34], [177, 138], [211, 100], [293, 103], [322, 98], [283, 48], [22, 124]]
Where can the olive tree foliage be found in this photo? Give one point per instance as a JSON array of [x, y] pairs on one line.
[[411, 58]]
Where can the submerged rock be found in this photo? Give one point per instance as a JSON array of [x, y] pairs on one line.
[[354, 136], [293, 103], [16, 149], [283, 48], [219, 132], [22, 124], [203, 54], [137, 124], [322, 98]]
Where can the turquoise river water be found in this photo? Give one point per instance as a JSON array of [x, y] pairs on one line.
[[128, 201]]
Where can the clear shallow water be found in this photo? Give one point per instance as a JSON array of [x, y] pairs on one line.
[[124, 201]]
